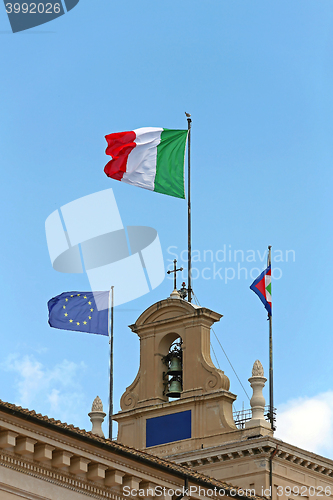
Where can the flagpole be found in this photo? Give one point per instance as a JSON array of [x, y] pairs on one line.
[[189, 121], [111, 366], [271, 405]]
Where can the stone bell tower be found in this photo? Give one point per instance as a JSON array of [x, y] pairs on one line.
[[202, 415]]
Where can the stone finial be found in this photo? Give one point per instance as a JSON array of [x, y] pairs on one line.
[[175, 295], [97, 417], [257, 401], [257, 370], [98, 405]]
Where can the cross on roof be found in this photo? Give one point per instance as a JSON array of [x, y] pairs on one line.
[[175, 273]]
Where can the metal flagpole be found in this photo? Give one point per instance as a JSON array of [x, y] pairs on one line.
[[111, 367], [189, 121], [271, 406]]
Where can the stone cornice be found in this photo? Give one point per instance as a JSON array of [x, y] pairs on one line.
[[184, 402], [61, 479], [261, 447]]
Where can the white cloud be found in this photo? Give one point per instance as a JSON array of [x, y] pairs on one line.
[[54, 390], [54, 399], [308, 423]]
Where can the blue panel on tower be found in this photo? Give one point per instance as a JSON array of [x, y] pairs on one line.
[[168, 428]]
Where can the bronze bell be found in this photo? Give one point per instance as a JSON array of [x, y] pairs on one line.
[[175, 367], [175, 388]]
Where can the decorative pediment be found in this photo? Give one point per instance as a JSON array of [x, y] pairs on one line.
[[171, 309]]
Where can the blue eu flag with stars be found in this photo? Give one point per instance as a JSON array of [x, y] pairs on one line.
[[80, 311]]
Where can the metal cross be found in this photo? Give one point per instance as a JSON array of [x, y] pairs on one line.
[[175, 275]]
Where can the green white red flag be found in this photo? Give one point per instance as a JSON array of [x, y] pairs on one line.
[[149, 157]]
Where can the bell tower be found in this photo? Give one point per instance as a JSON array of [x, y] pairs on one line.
[[179, 401]]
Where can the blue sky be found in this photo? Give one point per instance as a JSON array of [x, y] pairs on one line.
[[257, 77]]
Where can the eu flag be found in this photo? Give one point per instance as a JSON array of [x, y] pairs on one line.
[[78, 311]]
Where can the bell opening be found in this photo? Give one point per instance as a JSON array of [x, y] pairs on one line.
[[173, 377]]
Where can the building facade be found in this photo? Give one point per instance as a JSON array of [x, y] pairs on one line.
[[197, 428], [45, 459]]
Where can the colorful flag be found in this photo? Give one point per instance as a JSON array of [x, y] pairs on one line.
[[262, 287], [148, 157], [78, 311]]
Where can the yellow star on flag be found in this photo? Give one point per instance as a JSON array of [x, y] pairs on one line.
[[66, 314], [71, 321]]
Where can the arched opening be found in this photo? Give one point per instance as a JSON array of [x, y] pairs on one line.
[[166, 342]]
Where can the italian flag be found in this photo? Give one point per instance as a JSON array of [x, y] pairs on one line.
[[262, 287], [149, 157]]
